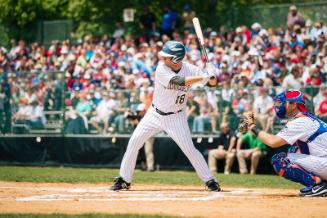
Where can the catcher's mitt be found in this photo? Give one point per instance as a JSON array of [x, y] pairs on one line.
[[246, 120]]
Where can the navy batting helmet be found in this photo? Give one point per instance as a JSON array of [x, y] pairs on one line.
[[173, 49]]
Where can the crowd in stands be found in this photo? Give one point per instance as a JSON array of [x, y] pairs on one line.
[[106, 78]]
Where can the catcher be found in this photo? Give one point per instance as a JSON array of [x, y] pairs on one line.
[[306, 160]]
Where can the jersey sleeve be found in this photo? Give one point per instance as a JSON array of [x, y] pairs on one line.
[[163, 76], [194, 70], [298, 129]]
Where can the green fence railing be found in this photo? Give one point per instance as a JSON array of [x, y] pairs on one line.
[[68, 113]]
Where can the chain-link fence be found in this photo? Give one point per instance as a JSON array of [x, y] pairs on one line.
[[31, 102], [54, 30], [57, 111], [276, 15]]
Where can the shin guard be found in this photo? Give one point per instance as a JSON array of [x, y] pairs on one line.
[[293, 172]]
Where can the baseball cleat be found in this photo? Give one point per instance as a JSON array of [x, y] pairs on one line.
[[120, 184], [319, 190], [306, 190], [212, 185]]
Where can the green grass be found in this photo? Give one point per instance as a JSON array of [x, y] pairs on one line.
[[86, 175], [80, 216]]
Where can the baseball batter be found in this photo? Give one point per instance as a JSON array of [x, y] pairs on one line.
[[306, 160], [168, 113]]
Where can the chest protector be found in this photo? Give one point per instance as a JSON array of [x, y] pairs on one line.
[[303, 146]]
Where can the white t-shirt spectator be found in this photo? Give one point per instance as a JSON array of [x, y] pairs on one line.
[[291, 83], [22, 113], [35, 113], [262, 104], [318, 99], [105, 107], [227, 94]]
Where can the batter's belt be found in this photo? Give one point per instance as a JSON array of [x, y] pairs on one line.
[[165, 113]]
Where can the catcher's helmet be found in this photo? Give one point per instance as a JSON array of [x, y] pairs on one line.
[[173, 49], [290, 96]]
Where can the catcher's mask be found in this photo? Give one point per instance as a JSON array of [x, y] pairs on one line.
[[290, 96]]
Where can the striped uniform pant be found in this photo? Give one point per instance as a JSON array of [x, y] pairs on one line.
[[176, 127]]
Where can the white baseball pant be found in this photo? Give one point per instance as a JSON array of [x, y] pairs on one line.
[[176, 126]]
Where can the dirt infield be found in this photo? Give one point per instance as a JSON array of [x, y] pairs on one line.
[[156, 199]]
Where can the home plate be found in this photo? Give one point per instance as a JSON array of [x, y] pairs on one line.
[[106, 195]]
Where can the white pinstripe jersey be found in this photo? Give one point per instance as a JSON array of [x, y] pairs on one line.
[[172, 98]]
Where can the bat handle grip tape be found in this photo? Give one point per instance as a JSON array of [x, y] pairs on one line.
[[204, 51]]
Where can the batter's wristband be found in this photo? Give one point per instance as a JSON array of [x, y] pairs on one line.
[[255, 130]]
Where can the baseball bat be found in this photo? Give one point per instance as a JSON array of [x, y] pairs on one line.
[[199, 34]]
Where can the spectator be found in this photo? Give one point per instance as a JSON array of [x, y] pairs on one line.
[[222, 104], [294, 18], [256, 151], [322, 107], [169, 19], [187, 16], [75, 96], [121, 107], [212, 100], [193, 110], [2, 101], [319, 97], [103, 112], [22, 115], [36, 118], [262, 106], [74, 123], [226, 149], [293, 80], [146, 93], [205, 115], [84, 108], [314, 78], [147, 23], [119, 32]]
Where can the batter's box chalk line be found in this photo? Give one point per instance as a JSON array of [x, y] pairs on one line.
[[105, 195]]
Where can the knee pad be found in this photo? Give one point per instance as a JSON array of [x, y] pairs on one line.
[[279, 163], [293, 172]]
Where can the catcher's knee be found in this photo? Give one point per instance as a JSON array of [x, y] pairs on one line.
[[279, 162]]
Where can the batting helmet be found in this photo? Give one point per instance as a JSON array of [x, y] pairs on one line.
[[173, 49], [290, 96]]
